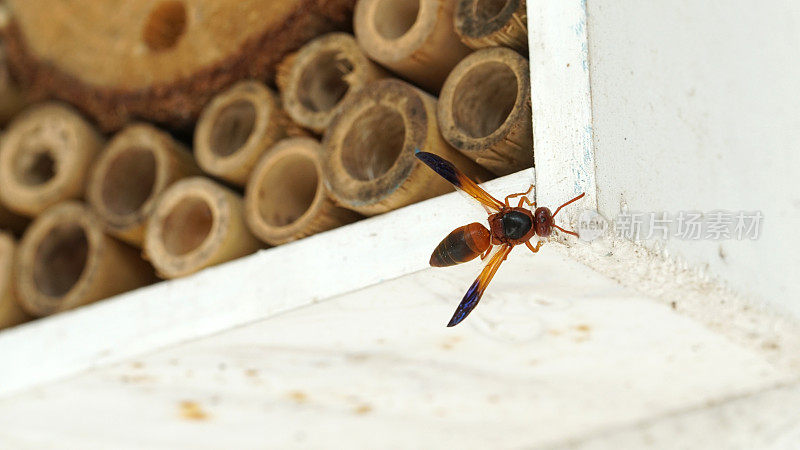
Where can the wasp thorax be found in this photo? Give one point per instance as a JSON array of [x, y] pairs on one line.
[[516, 224], [543, 220]]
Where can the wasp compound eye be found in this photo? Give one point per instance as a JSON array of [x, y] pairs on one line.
[[543, 220]]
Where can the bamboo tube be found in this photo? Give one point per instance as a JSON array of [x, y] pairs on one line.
[[485, 110], [134, 168], [197, 223], [286, 198], [11, 313], [492, 23], [65, 260], [236, 128], [45, 156], [370, 145], [414, 38], [317, 79]]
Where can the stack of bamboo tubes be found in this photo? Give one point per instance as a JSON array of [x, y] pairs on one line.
[[333, 143]]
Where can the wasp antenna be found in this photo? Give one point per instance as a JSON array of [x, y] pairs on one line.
[[565, 231], [565, 204]]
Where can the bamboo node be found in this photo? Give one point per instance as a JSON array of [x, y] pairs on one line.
[[316, 80], [490, 23], [485, 110], [187, 226], [233, 128], [393, 19], [236, 128], [286, 198], [65, 260]]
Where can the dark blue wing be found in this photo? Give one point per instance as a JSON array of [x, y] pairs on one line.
[[475, 292], [451, 173]]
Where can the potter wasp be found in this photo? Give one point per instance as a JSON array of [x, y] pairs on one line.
[[508, 226]]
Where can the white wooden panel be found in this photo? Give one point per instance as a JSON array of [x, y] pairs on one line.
[[695, 107], [561, 102], [538, 363], [768, 420]]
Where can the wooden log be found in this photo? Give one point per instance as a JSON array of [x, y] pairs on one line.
[[237, 127], [197, 223], [316, 80], [370, 145], [129, 175], [65, 260], [45, 157], [485, 110], [286, 198], [11, 313], [12, 99], [414, 38], [159, 60], [492, 23]]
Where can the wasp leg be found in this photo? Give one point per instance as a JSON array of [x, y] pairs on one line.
[[532, 248], [517, 195], [526, 200], [486, 253]]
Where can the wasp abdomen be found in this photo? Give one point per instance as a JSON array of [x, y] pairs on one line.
[[461, 245]]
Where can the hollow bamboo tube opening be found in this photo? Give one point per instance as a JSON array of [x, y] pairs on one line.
[[236, 127], [485, 110], [65, 260], [45, 156], [135, 167], [197, 223], [286, 197], [316, 80], [11, 313], [370, 163], [492, 23], [414, 38]]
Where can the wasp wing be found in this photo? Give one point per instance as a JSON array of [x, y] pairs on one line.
[[450, 173], [475, 292]]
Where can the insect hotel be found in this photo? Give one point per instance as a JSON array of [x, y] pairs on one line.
[[234, 224]]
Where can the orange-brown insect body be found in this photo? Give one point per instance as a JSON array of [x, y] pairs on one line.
[[510, 226], [461, 245]]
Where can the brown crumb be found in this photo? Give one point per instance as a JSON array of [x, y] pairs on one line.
[[298, 396], [190, 410], [450, 342], [363, 409]]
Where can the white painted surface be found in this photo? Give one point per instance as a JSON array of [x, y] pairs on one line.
[[561, 103], [695, 107], [766, 420], [537, 364]]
